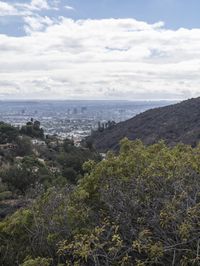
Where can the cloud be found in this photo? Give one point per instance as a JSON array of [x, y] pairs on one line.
[[100, 59], [36, 23], [69, 8], [25, 9], [39, 4], [7, 9]]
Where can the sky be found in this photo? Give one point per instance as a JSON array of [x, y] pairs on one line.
[[99, 49]]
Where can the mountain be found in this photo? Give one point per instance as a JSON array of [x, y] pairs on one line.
[[174, 123]]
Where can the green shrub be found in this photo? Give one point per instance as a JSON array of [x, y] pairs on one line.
[[37, 262], [5, 195]]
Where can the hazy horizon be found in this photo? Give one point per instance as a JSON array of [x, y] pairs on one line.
[[92, 100]]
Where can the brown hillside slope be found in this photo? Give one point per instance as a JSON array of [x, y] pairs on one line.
[[174, 123]]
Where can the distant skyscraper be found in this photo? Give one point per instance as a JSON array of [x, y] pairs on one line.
[[75, 111], [83, 109]]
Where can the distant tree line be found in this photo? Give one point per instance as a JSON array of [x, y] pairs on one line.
[[106, 125]]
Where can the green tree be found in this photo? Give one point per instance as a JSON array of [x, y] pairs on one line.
[[8, 133], [32, 129], [24, 146], [26, 173]]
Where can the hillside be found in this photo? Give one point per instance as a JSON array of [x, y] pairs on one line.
[[175, 123], [31, 161], [62, 205], [140, 207]]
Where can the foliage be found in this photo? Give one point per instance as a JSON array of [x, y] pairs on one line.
[[153, 194], [21, 175], [37, 262], [140, 207], [99, 246], [8, 133], [71, 160], [24, 146], [36, 230], [32, 129], [25, 164]]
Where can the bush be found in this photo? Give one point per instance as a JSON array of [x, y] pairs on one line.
[[26, 173], [70, 174], [5, 195], [140, 207], [8, 133], [37, 262]]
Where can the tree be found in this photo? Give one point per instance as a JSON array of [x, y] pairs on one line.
[[32, 129], [70, 174], [24, 146], [22, 175], [8, 133], [36, 125], [68, 145]]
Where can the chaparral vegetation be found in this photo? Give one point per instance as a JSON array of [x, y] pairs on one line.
[[140, 206]]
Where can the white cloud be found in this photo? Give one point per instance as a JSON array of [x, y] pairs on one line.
[[109, 58], [24, 9], [7, 9], [36, 23], [39, 4], [69, 8]]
